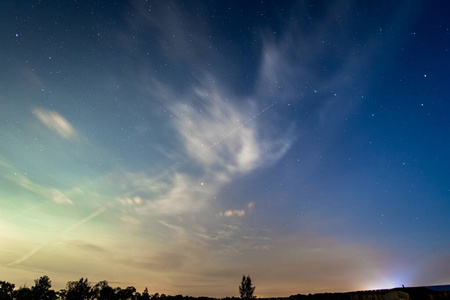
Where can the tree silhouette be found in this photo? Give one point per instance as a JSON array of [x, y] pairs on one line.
[[246, 289], [41, 289], [125, 294], [23, 293], [78, 290], [144, 296], [102, 291], [6, 290]]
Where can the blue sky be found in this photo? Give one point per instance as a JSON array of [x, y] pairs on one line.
[[180, 145]]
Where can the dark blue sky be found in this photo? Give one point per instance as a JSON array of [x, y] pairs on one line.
[[152, 143]]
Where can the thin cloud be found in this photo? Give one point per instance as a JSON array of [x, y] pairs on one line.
[[55, 122], [238, 212], [187, 195], [231, 213], [59, 197], [220, 138], [26, 183], [130, 201], [224, 137], [214, 136]]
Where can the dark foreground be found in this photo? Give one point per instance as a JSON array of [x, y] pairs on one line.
[[413, 293], [85, 290]]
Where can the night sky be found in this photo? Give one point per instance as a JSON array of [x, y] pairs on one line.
[[179, 145]]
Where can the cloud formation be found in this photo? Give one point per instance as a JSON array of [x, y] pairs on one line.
[[55, 122], [56, 195], [238, 212], [219, 138], [59, 197], [214, 136], [231, 213]]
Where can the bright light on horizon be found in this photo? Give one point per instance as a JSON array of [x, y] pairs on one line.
[[388, 282]]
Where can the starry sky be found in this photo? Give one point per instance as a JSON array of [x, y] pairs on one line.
[[180, 144]]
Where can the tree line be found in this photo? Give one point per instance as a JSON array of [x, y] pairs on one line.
[[75, 290], [82, 289]]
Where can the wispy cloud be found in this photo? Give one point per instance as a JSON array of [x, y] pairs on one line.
[[130, 201], [60, 198], [222, 140], [55, 122], [57, 196], [238, 212], [187, 194], [231, 213], [218, 134]]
